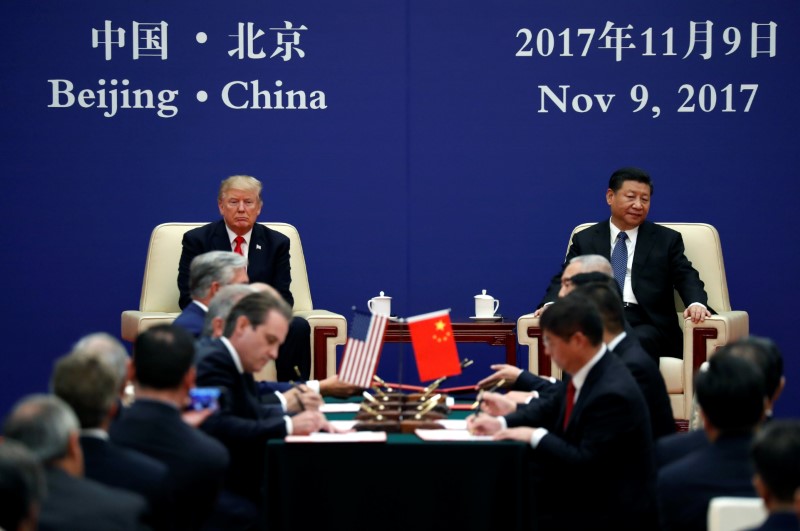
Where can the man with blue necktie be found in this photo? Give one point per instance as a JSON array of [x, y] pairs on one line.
[[649, 265]]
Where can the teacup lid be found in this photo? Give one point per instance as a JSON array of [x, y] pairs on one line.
[[484, 296], [382, 296]]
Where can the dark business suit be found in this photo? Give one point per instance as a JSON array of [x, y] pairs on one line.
[[268, 262], [599, 473], [196, 462], [192, 319], [780, 521], [678, 445], [124, 468], [659, 267], [243, 424], [650, 382], [527, 381], [686, 486], [80, 504]]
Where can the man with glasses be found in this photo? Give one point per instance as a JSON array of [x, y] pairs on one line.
[[267, 253]]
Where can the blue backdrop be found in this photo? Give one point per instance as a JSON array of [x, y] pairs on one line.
[[425, 164]]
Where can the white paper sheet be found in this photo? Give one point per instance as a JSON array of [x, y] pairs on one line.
[[324, 437], [452, 424], [450, 435], [344, 407]]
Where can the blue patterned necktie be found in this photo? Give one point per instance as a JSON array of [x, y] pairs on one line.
[[619, 260]]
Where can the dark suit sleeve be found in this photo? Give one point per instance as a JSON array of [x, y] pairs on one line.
[[685, 277], [283, 275], [230, 423], [608, 421], [528, 381], [192, 246], [539, 413]]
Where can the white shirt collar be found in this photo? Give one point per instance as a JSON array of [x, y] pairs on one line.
[[632, 233], [97, 433], [616, 341], [202, 306], [233, 353], [580, 376], [232, 236]]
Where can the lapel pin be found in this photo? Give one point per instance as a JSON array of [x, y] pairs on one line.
[[258, 246]]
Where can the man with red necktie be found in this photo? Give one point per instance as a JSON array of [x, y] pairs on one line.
[[267, 253], [592, 451]]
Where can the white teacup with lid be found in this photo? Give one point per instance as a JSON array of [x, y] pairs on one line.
[[380, 305], [485, 306]]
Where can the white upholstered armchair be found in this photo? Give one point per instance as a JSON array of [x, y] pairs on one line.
[[159, 301], [700, 340]]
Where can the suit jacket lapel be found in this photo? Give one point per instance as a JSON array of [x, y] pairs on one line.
[[219, 237], [586, 390], [601, 239], [644, 244], [259, 248], [251, 392]]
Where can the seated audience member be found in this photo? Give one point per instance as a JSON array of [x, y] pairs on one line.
[[776, 460], [21, 487], [209, 272], [585, 263], [651, 267], [49, 429], [267, 252], [91, 387], [525, 385], [163, 373], [731, 397], [110, 350], [254, 330], [591, 440], [764, 353]]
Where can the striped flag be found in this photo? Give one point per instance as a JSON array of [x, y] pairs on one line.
[[363, 349]]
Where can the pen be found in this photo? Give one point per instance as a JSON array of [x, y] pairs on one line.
[[300, 391]]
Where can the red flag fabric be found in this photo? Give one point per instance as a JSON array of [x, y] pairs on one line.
[[434, 345]]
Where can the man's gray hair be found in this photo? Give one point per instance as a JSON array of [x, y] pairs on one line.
[[220, 306], [593, 262], [210, 267], [110, 350], [43, 423], [88, 383]]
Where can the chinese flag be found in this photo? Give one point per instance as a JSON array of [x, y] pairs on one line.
[[434, 346]]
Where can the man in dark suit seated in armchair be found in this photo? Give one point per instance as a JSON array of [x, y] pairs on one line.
[[267, 253], [649, 265]]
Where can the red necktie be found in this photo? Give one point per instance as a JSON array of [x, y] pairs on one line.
[[570, 403], [238, 249]]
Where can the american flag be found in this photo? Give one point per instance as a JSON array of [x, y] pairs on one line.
[[363, 349]]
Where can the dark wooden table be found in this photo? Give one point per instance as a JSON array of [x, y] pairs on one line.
[[495, 333]]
